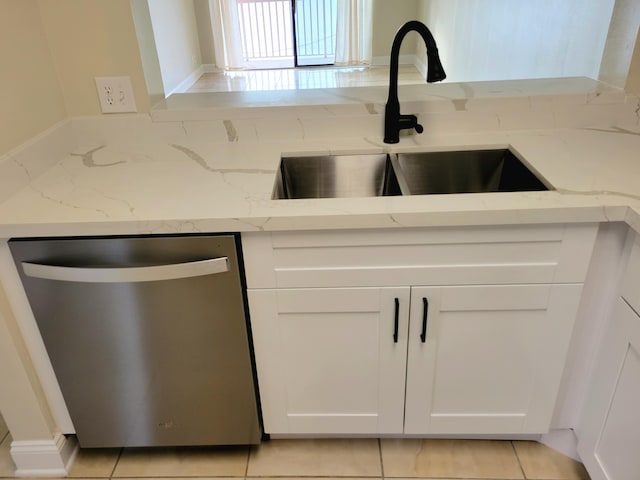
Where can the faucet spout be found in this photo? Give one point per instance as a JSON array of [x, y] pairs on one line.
[[393, 120]]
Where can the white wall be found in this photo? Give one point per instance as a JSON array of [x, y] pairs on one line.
[[388, 17], [205, 33], [633, 78], [22, 402], [90, 39], [176, 34], [510, 39], [148, 52], [621, 40], [31, 95]]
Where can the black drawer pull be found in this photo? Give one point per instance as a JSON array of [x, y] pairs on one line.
[[425, 313], [396, 321]]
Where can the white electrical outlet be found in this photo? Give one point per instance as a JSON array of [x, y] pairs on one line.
[[115, 94]]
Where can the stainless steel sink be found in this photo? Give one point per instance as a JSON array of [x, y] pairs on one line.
[[333, 176], [463, 171]]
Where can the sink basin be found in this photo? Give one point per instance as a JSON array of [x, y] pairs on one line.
[[334, 176], [424, 173], [465, 171]]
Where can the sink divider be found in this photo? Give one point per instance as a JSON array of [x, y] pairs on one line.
[[402, 182]]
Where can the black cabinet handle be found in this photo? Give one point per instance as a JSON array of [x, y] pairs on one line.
[[396, 320], [425, 313]]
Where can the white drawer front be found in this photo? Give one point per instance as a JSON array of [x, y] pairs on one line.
[[425, 256]]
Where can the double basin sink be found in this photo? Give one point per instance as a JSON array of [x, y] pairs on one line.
[[374, 175]]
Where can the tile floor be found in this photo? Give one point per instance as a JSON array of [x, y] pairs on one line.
[[353, 459], [302, 78]]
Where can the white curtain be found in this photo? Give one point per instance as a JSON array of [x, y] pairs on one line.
[[354, 32], [226, 34]]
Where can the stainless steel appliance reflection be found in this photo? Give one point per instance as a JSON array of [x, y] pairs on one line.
[[148, 337]]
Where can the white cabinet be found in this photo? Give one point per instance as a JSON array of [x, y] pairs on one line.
[[491, 358], [609, 443], [333, 361], [501, 307], [609, 439], [327, 359]]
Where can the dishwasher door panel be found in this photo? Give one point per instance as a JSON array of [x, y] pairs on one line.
[[146, 363]]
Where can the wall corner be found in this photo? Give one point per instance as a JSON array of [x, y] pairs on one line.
[[632, 84]]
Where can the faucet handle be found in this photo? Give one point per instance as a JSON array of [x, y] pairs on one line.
[[410, 121]]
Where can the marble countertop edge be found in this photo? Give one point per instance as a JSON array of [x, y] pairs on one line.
[[591, 211]]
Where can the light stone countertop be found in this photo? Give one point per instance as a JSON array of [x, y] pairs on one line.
[[192, 166]]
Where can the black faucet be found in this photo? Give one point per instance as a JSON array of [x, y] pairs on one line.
[[394, 121]]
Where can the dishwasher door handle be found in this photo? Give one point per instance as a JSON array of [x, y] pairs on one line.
[[127, 274]]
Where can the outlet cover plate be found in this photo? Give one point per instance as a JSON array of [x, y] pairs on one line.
[[116, 94]]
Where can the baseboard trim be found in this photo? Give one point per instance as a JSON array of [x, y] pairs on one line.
[[44, 458], [402, 60], [210, 68]]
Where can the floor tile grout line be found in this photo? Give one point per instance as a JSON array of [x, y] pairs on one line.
[[380, 455], [115, 464], [515, 452], [246, 467]]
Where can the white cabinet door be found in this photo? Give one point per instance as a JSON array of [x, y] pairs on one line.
[[609, 441], [327, 359], [491, 360]]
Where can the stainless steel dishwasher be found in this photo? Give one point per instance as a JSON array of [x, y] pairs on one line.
[[148, 337]]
